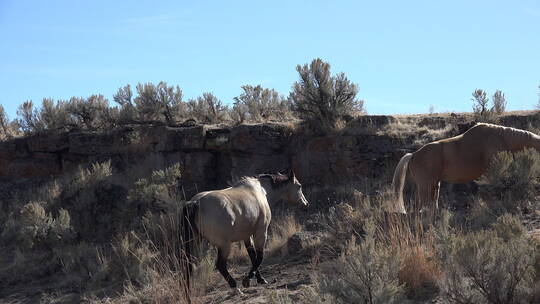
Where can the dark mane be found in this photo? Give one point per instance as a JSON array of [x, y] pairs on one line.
[[277, 179]]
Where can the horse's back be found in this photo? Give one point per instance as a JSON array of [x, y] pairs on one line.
[[229, 215], [467, 156]]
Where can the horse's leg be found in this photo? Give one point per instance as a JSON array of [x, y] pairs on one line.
[[429, 201], [259, 240], [415, 215], [256, 256], [432, 201], [436, 195], [221, 264], [253, 257]]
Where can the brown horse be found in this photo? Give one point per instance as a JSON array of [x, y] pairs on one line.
[[239, 213], [458, 159]]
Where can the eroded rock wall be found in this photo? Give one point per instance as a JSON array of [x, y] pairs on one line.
[[212, 156]]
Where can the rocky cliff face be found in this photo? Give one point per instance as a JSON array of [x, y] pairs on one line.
[[211, 156]]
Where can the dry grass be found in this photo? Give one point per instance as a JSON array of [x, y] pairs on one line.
[[420, 271], [238, 253], [408, 127], [282, 230], [415, 244]]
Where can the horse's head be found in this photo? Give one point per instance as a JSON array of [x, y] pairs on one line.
[[292, 191]]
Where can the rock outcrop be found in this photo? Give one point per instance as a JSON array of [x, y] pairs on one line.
[[212, 156]]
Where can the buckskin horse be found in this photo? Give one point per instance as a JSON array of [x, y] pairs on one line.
[[238, 213]]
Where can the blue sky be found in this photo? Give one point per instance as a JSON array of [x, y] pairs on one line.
[[404, 55]]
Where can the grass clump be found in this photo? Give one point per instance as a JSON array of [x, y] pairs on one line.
[[420, 272]]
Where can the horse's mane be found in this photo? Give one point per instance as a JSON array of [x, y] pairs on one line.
[[276, 179], [513, 137]]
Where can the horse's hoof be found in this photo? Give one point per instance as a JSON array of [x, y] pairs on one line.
[[245, 282], [238, 292], [262, 281]]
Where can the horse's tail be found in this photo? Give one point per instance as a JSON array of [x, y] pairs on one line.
[[189, 215], [398, 182]]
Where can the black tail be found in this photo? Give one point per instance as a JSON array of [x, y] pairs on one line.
[[189, 214]]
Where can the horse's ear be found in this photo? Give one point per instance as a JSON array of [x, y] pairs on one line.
[[291, 174]]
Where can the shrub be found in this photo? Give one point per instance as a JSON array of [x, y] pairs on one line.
[[483, 267], [29, 120], [322, 99], [261, 104], [158, 192], [34, 227], [90, 113], [538, 103], [128, 112], [499, 102], [7, 129], [239, 113], [132, 259], [84, 267], [281, 231], [153, 103], [508, 227], [365, 272], [481, 109], [55, 116], [513, 178], [207, 109], [362, 275], [420, 272], [95, 203], [38, 237], [159, 102]]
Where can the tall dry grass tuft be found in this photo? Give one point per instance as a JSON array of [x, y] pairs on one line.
[[420, 272], [165, 260], [169, 262], [404, 243], [282, 229], [415, 243]]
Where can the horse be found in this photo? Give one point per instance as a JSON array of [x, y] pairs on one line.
[[238, 213], [458, 159]]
